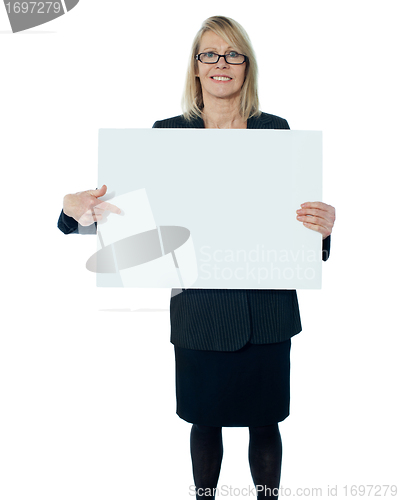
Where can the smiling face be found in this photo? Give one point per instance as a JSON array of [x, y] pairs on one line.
[[220, 80]]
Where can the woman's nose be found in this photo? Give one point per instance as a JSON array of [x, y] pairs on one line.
[[221, 63]]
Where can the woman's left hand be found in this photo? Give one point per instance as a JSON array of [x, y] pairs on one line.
[[323, 217]]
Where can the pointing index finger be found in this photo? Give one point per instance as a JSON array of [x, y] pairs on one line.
[[108, 206]]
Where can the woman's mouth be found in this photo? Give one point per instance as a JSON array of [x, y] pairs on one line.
[[221, 78]]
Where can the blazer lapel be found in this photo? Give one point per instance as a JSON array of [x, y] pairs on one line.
[[196, 122], [258, 121]]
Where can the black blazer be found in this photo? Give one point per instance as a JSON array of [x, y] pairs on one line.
[[226, 319]]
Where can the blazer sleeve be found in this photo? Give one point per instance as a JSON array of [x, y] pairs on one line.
[[326, 248], [68, 225]]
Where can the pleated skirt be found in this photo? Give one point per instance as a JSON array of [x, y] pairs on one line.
[[248, 387]]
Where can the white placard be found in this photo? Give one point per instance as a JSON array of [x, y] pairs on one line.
[[223, 202]]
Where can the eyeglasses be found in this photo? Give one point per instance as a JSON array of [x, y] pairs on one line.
[[212, 58]]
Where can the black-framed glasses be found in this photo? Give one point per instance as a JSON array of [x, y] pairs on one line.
[[230, 58]]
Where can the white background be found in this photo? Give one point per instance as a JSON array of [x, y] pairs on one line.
[[87, 395]]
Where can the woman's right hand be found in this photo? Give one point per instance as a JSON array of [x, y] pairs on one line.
[[85, 207]]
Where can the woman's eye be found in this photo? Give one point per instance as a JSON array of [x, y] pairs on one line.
[[209, 54], [233, 54]]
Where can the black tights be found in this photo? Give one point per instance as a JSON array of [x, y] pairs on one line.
[[264, 454]]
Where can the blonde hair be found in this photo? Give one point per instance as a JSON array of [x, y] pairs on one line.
[[235, 35]]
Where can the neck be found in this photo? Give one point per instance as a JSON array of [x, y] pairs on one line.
[[222, 114]]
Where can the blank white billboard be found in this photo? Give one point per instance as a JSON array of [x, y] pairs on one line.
[[206, 208]]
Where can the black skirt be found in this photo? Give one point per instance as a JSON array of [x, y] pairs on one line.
[[248, 387]]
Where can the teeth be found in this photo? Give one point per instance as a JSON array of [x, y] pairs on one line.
[[222, 78]]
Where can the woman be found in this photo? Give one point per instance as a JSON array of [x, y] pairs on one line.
[[232, 347]]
